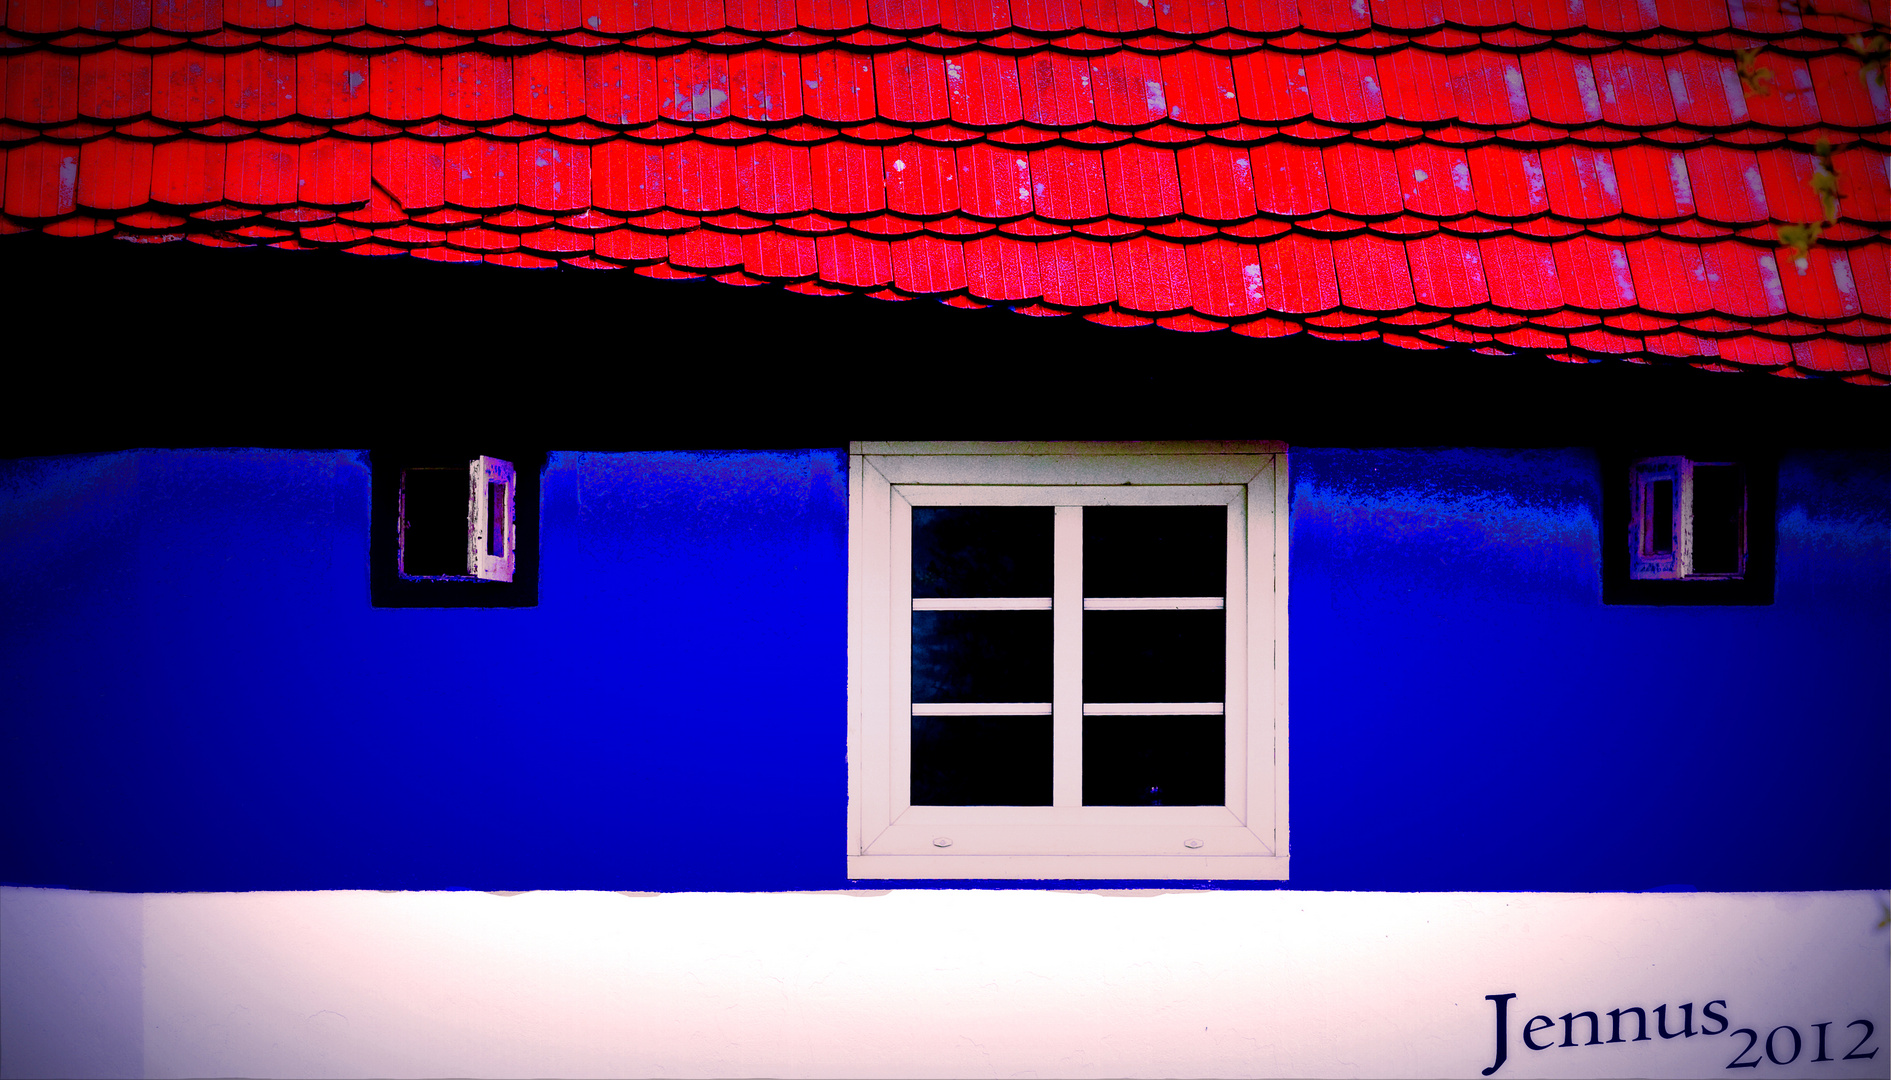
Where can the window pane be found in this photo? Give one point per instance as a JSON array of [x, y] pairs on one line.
[[1660, 539], [1154, 655], [1155, 550], [977, 656], [1717, 506], [1153, 761], [964, 551], [981, 761]]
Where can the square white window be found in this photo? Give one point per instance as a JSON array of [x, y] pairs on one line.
[[1688, 520], [1067, 661]]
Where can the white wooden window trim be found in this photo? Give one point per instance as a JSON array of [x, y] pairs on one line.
[[890, 838], [494, 487]]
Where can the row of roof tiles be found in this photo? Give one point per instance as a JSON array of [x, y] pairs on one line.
[[1326, 18], [1602, 95], [1498, 295], [393, 184], [1627, 191]]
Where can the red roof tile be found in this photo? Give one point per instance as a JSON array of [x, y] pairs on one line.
[[475, 87], [904, 14], [1127, 89], [1653, 183], [114, 84], [472, 16], [1437, 180], [42, 87], [337, 172], [1728, 188], [412, 173], [928, 264], [1490, 88], [114, 174], [1415, 85], [1142, 182], [262, 173], [848, 178], [1047, 16], [1054, 88], [331, 84], [1200, 88], [1363, 180], [621, 88], [838, 86], [982, 87], [482, 174], [331, 15], [549, 85], [850, 261], [1504, 173], [1271, 87], [1344, 87], [1289, 180], [1521, 274], [1633, 88], [1447, 272], [1002, 269], [1217, 183]]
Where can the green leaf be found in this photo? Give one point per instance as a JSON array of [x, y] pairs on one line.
[[1754, 80], [1800, 238]]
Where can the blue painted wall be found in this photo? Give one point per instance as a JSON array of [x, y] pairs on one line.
[[201, 696]]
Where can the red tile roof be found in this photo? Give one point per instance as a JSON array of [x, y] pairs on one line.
[[1587, 179]]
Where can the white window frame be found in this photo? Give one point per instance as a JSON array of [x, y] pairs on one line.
[[1246, 839]]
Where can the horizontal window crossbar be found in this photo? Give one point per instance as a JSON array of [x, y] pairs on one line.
[[1095, 708], [984, 708], [1153, 708], [1154, 603], [1043, 603], [983, 603]]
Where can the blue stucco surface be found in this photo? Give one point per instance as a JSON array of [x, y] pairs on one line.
[[202, 696]]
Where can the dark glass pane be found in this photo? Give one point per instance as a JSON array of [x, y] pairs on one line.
[[495, 518], [1154, 655], [1155, 550], [976, 656], [1660, 518], [436, 531], [981, 551], [1153, 761], [981, 761], [1717, 506]]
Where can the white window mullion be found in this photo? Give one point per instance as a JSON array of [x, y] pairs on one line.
[[1238, 663], [1067, 658], [900, 645]]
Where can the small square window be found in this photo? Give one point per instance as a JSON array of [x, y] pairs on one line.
[[456, 522], [1688, 529], [453, 529], [1067, 661]]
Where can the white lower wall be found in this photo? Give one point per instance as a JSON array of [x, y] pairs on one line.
[[949, 984]]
